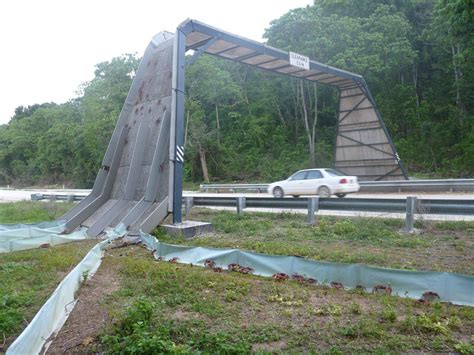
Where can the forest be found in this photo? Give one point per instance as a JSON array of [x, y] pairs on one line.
[[245, 125]]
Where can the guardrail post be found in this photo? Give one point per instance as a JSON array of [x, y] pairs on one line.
[[240, 204], [313, 207], [188, 205], [410, 213], [70, 198], [52, 197]]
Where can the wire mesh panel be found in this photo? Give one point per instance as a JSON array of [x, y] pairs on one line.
[[363, 146]]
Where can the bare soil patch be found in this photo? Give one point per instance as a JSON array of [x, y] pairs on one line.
[[89, 315]]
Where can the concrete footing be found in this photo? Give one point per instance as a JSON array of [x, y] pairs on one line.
[[189, 229]]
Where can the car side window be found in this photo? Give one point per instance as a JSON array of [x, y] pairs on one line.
[[299, 176], [315, 174]]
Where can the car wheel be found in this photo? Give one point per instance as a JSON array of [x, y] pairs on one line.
[[340, 195], [324, 192], [278, 192]]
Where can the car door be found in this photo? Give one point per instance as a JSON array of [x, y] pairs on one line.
[[312, 182], [295, 185]]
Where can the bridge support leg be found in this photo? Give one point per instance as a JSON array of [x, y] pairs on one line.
[[178, 120]]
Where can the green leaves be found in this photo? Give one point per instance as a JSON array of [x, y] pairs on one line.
[[245, 125]]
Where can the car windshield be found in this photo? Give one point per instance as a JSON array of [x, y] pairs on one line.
[[333, 172]]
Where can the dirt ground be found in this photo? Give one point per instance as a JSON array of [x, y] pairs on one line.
[[88, 316]]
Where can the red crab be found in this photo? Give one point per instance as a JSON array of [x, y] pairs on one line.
[[298, 278], [174, 260], [337, 285], [209, 263], [245, 270], [280, 276], [382, 289], [233, 267], [429, 296]]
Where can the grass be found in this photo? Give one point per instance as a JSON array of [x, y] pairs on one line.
[[165, 307], [443, 246], [27, 279], [31, 212]]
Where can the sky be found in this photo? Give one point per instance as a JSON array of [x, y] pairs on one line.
[[50, 47]]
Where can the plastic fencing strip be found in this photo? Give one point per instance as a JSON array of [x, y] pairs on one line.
[[14, 237], [54, 313], [450, 287]]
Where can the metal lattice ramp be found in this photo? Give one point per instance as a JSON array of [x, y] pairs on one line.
[[132, 184]]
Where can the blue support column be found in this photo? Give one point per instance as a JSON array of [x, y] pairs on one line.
[[179, 128]]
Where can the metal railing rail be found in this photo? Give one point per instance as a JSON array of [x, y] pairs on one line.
[[426, 206], [446, 185], [233, 187], [57, 197], [411, 206]]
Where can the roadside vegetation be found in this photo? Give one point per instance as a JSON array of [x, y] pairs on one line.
[[31, 212], [28, 278], [442, 246], [161, 307]]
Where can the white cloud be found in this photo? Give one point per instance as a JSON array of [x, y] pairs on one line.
[[50, 47]]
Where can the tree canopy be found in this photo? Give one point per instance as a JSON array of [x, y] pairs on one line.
[[246, 125]]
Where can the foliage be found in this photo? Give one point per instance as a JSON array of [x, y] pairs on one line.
[[416, 55], [49, 143], [27, 279]]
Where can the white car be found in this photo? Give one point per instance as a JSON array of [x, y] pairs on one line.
[[322, 182]]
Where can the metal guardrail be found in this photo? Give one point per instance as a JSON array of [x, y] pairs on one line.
[[425, 206], [233, 187], [57, 197], [411, 206], [447, 185]]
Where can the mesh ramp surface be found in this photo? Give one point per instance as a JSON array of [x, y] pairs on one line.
[[133, 180]]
